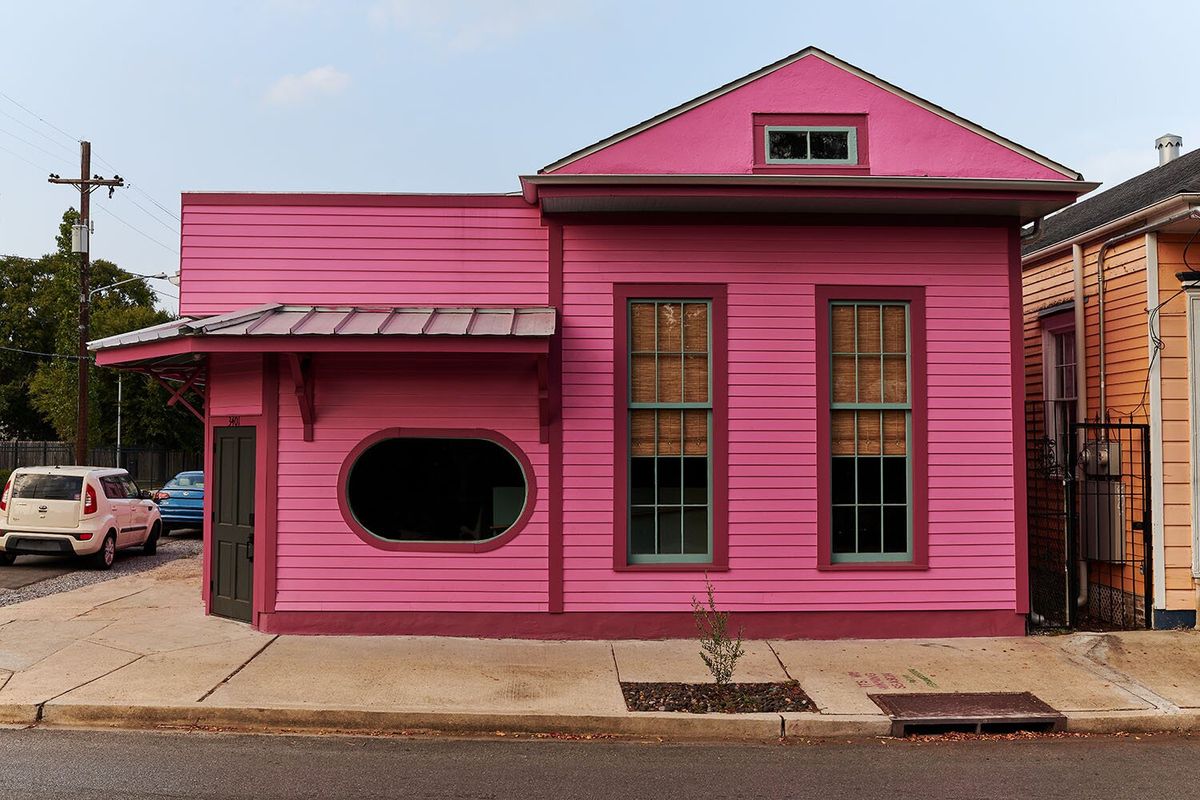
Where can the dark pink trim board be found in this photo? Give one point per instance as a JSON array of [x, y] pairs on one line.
[[719, 367], [915, 297], [646, 624]]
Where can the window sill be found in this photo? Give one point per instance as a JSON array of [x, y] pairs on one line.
[[873, 566], [692, 567], [811, 169]]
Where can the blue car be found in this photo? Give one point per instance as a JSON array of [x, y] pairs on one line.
[[181, 501]]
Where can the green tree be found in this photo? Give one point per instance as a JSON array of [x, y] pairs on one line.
[[38, 394]]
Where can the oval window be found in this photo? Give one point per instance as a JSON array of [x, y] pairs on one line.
[[417, 489]]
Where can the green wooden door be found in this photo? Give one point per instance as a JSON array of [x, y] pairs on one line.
[[233, 522]]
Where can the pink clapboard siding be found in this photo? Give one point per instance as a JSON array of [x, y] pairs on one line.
[[771, 273], [237, 254], [323, 565], [235, 385], [905, 139]]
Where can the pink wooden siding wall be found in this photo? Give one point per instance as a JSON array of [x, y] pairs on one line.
[[323, 565], [310, 251], [771, 273], [235, 385]]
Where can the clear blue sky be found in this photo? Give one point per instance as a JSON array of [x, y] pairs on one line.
[[464, 95]]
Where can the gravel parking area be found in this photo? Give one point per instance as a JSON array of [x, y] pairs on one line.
[[182, 544]]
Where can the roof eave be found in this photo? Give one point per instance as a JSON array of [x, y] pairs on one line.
[[1147, 215]]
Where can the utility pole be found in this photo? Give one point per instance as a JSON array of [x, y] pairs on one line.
[[80, 236]]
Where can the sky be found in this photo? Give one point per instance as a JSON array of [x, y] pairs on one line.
[[465, 95]]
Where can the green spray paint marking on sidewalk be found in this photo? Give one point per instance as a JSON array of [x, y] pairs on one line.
[[922, 677]]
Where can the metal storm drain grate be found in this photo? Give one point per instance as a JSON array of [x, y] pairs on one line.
[[971, 712]]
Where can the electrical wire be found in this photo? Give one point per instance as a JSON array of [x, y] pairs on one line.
[[34, 130], [137, 229], [151, 214], [1156, 342], [25, 141], [39, 119], [17, 155], [39, 353]]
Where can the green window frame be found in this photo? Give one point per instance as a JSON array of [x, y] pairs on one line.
[[805, 133], [670, 432], [871, 402]]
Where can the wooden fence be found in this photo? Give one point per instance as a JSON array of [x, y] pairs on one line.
[[151, 467]]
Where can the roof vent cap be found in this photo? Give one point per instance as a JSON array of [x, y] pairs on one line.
[[1169, 146]]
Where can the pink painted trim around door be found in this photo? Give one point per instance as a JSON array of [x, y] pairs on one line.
[[719, 367], [915, 297], [439, 433]]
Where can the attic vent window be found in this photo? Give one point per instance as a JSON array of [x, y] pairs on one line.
[[786, 144]]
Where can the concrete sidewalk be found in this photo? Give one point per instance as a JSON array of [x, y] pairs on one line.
[[138, 652]]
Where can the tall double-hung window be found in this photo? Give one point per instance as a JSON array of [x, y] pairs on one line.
[[873, 466], [669, 410]]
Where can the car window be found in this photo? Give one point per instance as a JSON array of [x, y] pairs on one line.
[[131, 489], [113, 488], [186, 482], [35, 486]]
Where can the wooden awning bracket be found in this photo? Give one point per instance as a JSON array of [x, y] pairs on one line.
[[189, 378], [302, 379]]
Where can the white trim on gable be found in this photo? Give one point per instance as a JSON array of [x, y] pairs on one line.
[[837, 62]]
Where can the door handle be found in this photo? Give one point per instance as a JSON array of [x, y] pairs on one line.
[[250, 548]]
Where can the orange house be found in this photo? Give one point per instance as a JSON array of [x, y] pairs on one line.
[[1112, 352]]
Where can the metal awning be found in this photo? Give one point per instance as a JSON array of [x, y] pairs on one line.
[[277, 319]]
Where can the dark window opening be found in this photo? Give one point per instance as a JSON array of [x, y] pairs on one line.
[[436, 490]]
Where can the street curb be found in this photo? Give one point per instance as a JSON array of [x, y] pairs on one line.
[[821, 726], [743, 727], [1133, 721], [18, 714]]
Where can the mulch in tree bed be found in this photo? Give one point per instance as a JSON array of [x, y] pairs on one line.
[[707, 698]]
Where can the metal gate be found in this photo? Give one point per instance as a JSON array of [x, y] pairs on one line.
[[1088, 486]]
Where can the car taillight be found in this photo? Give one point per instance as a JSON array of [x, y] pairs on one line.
[[89, 501], [4, 495], [162, 496], [85, 536]]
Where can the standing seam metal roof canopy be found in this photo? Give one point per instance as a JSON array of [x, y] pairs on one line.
[[285, 320]]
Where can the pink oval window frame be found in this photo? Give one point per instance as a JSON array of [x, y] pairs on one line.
[[502, 441]]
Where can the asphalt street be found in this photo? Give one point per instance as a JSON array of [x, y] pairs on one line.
[[83, 765]]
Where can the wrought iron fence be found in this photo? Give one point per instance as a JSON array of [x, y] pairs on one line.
[[149, 466], [1049, 497]]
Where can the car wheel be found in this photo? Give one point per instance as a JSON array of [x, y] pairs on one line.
[[150, 546], [166, 529], [6, 559], [107, 554]]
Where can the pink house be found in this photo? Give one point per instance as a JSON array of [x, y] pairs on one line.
[[771, 336]]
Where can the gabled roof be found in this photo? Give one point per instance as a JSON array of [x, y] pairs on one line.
[[1180, 176], [784, 62]]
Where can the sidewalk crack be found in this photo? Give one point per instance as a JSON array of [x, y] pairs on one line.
[[243, 665], [106, 602], [782, 666], [90, 680]]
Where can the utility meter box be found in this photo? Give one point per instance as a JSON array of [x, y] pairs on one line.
[[1101, 458]]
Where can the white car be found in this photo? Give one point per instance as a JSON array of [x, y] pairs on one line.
[[75, 511]]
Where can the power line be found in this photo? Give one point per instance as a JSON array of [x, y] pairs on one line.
[[35, 116], [147, 195], [39, 148], [39, 353], [17, 155], [29, 127], [137, 230], [152, 215]]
